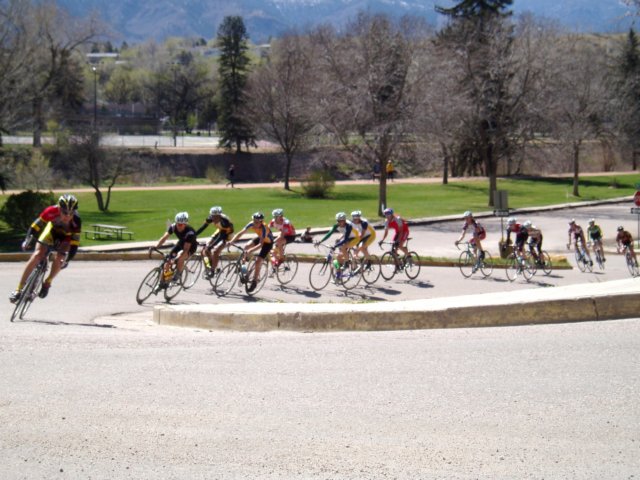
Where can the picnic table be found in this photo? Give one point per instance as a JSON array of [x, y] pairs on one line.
[[102, 231]]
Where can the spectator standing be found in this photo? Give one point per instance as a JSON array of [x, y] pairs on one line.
[[231, 172]]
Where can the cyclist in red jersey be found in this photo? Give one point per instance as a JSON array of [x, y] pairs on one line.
[[287, 234], [401, 228], [58, 226]]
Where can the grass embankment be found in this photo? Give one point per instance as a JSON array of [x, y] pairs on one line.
[[147, 212]]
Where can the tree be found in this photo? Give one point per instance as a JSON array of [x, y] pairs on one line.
[[483, 40], [233, 70], [277, 94], [363, 88]]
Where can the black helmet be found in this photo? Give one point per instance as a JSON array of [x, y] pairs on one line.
[[620, 228], [68, 203], [258, 216]]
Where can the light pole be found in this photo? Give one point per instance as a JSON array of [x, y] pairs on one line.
[[95, 97]]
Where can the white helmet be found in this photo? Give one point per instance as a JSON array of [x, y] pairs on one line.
[[215, 211], [527, 224], [341, 216], [278, 212], [592, 221], [511, 221], [356, 214], [468, 213], [182, 217]]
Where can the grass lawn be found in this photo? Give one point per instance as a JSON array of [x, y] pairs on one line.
[[147, 212]]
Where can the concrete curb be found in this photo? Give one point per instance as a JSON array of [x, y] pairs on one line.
[[574, 303]]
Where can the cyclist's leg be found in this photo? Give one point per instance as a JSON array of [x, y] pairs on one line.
[[39, 254]]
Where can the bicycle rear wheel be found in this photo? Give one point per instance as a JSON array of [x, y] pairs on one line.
[[350, 275], [262, 276], [599, 259], [512, 268], [192, 270], [320, 274], [148, 284], [545, 261], [174, 287], [631, 264], [580, 261], [370, 269], [225, 279], [412, 265], [528, 268], [287, 269], [486, 264], [388, 266], [466, 263]]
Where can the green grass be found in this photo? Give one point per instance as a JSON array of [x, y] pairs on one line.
[[148, 212]]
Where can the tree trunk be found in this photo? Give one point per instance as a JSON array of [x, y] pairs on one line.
[[287, 170], [37, 122], [382, 190], [576, 168], [445, 170]]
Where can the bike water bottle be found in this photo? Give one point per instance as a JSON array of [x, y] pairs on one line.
[[336, 264], [243, 269], [207, 262]]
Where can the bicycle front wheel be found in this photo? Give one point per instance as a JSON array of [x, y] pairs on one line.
[[486, 265], [580, 261], [287, 269], [412, 265], [528, 268], [512, 268], [29, 292], [192, 270], [148, 285], [631, 264], [466, 264], [599, 259], [546, 265], [370, 269], [388, 266], [225, 279], [320, 274]]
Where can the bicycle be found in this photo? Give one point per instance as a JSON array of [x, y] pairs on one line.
[[469, 263], [391, 263], [630, 261], [597, 253], [323, 270], [285, 269], [242, 271], [541, 260], [161, 278], [32, 286], [582, 259], [520, 264]]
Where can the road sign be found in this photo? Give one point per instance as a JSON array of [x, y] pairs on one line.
[[635, 210], [636, 198], [501, 213]]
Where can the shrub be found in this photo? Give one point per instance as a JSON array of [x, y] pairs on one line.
[[215, 174], [318, 184], [21, 209]]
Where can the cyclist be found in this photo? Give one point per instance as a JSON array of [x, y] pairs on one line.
[[535, 241], [401, 228], [478, 233], [577, 235], [264, 242], [57, 227], [594, 232], [624, 239], [287, 234], [224, 228], [349, 237], [185, 246], [366, 232]]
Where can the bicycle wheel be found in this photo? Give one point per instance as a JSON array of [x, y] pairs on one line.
[[486, 264], [350, 275], [226, 278], [174, 287], [387, 266], [631, 264], [320, 274], [545, 263], [599, 259], [512, 269], [466, 264], [370, 269], [412, 265], [287, 269], [529, 268], [580, 261], [29, 292], [262, 276], [192, 270], [148, 284]]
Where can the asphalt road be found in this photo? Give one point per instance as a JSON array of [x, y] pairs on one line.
[[90, 388]]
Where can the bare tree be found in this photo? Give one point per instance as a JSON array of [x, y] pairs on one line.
[[363, 87], [277, 93]]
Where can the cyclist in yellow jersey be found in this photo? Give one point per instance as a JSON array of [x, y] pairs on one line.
[[366, 231], [224, 229], [264, 242]]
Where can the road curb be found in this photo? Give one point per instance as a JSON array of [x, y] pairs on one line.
[[620, 299]]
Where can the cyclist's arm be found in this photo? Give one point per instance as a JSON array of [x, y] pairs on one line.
[[329, 233], [202, 228], [162, 239]]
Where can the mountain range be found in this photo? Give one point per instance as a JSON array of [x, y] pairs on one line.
[[139, 20]]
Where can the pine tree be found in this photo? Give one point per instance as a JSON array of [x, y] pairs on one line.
[[233, 68]]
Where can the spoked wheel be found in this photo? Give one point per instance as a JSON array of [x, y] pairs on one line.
[[174, 287], [528, 268], [370, 269], [320, 274], [387, 266], [512, 268], [581, 261], [262, 276], [545, 261], [350, 274], [466, 263], [599, 259], [631, 265], [486, 264], [192, 270], [412, 265], [226, 278], [287, 269], [148, 284], [29, 293]]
